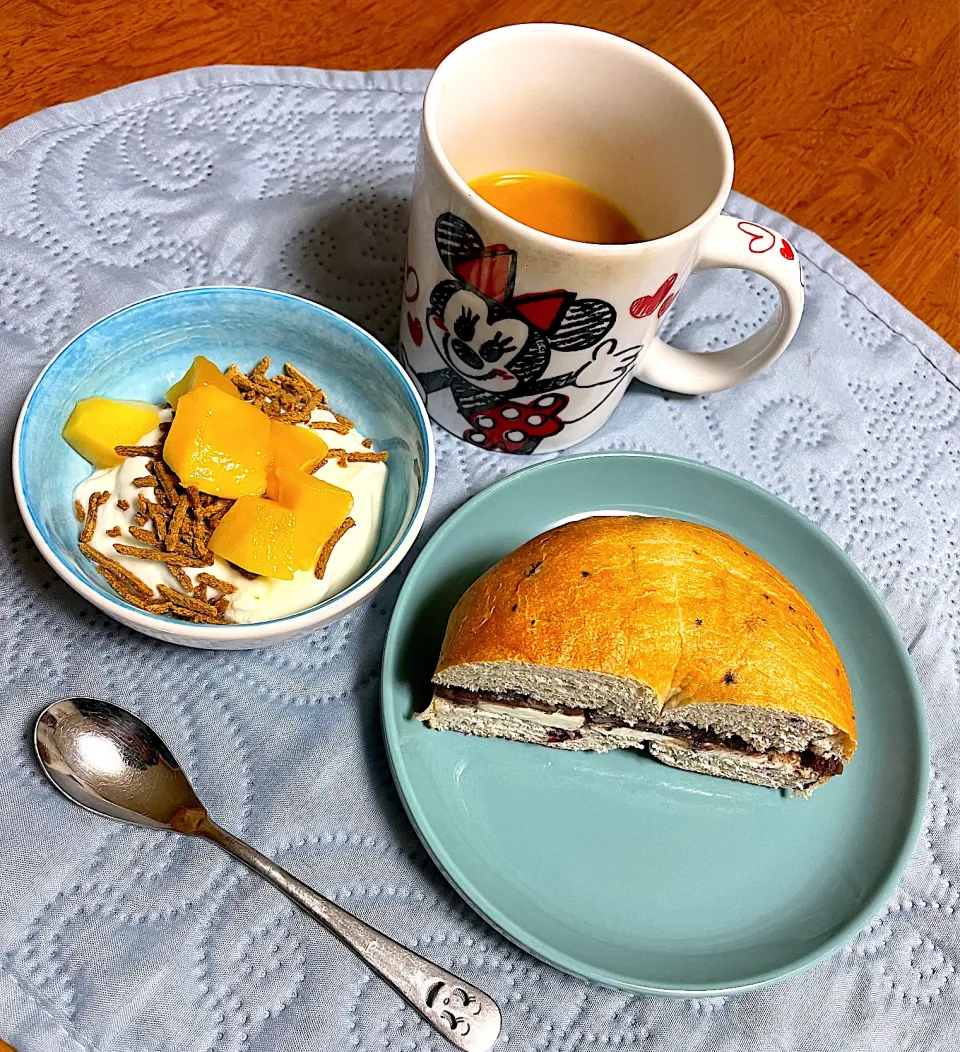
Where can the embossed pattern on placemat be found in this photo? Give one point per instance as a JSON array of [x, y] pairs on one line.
[[123, 940]]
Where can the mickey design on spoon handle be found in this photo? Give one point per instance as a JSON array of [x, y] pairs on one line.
[[467, 1017]]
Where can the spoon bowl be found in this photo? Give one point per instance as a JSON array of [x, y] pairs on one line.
[[107, 760]]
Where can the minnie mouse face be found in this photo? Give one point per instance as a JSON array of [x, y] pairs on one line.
[[479, 341], [497, 341]]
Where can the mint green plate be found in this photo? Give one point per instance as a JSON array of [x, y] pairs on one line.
[[617, 868]]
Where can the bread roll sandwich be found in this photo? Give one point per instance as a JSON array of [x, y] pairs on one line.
[[632, 632]]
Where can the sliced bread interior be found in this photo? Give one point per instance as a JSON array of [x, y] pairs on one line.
[[620, 631]]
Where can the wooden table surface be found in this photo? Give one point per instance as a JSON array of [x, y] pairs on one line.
[[843, 113]]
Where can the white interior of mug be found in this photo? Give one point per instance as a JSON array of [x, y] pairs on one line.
[[589, 106]]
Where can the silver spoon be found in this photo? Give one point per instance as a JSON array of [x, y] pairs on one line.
[[107, 760]]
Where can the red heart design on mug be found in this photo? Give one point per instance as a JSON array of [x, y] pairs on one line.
[[644, 306], [785, 250], [416, 329], [761, 239], [411, 285], [665, 306]]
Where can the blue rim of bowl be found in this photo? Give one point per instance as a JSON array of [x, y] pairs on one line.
[[536, 947], [371, 579]]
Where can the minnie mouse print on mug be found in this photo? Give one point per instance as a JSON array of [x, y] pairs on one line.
[[567, 183]]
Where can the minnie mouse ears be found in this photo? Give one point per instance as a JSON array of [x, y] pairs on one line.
[[492, 271]]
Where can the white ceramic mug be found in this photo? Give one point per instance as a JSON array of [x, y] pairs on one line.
[[524, 342]]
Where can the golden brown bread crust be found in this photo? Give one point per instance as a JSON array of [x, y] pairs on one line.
[[681, 607]]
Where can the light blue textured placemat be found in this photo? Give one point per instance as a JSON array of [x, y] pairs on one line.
[[117, 939]]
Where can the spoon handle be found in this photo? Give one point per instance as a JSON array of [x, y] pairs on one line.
[[467, 1017]]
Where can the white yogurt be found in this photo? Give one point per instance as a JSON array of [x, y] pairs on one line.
[[263, 599]]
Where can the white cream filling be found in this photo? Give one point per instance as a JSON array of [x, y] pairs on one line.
[[637, 735], [757, 760], [542, 719], [263, 599], [765, 759]]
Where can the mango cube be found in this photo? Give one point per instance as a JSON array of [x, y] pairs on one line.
[[293, 447], [319, 509], [219, 444], [202, 373], [96, 425], [257, 535]]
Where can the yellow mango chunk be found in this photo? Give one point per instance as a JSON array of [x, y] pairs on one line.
[[219, 444], [319, 509], [96, 425], [202, 373], [293, 447], [257, 535]]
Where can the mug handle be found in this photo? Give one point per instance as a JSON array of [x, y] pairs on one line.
[[732, 242]]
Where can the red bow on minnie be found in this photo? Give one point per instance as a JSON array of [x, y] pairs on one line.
[[492, 274]]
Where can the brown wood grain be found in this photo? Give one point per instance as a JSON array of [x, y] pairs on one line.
[[844, 113]]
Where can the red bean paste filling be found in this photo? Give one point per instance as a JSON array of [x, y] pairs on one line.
[[697, 738]]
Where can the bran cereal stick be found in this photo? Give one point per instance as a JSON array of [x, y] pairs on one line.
[[327, 550]]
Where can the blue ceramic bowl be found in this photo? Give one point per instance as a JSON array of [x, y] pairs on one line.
[[139, 351]]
